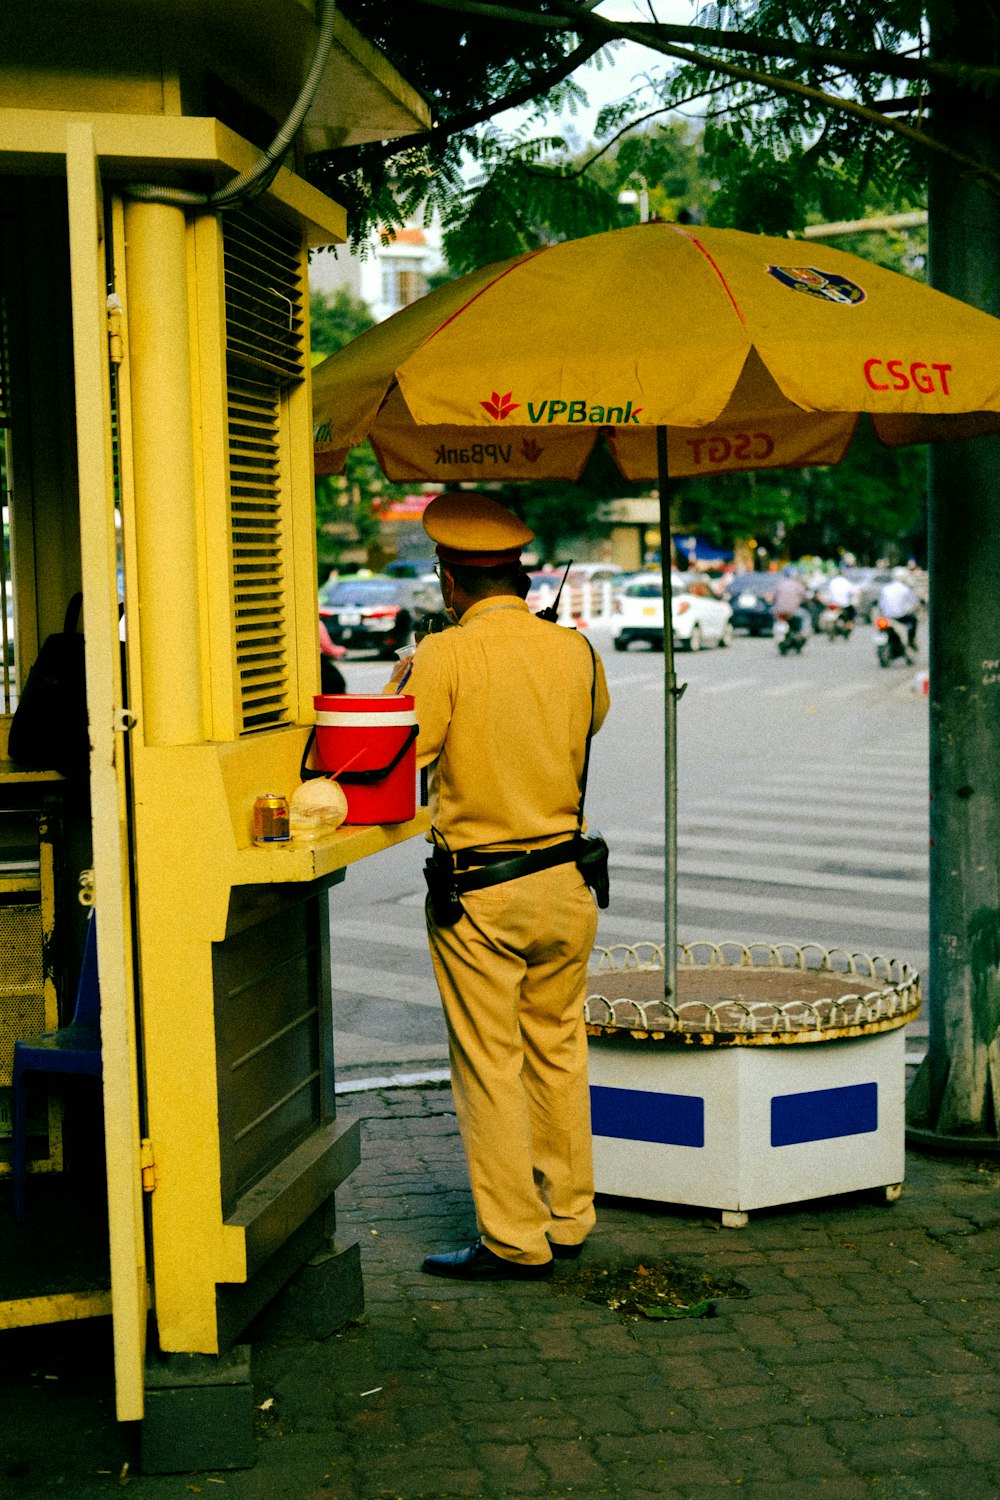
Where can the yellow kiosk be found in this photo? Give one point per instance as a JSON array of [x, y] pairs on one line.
[[157, 442]]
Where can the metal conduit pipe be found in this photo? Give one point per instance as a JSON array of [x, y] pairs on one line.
[[258, 178]]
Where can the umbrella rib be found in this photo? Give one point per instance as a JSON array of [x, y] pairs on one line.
[[696, 242], [483, 289]]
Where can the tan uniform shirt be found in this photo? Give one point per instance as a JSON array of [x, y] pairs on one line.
[[503, 705]]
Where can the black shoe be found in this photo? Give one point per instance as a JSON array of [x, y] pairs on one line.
[[477, 1263], [566, 1252]]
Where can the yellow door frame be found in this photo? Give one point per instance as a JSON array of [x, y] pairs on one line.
[[108, 736]]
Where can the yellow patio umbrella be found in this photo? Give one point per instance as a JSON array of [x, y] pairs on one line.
[[686, 350], [751, 352]]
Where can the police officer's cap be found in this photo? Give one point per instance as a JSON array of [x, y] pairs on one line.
[[475, 530]]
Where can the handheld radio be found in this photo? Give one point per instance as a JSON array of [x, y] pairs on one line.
[[551, 611]]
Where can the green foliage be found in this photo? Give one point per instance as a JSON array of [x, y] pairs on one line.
[[336, 319], [533, 191], [521, 201]]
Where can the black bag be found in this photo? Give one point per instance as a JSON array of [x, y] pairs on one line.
[[49, 729]]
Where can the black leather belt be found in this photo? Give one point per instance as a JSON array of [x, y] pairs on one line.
[[466, 858], [513, 864]]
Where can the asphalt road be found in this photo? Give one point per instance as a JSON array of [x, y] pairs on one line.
[[802, 795]]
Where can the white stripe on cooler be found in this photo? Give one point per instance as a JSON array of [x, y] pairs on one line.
[[330, 719]]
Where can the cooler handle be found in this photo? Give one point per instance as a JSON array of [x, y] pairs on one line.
[[360, 778]]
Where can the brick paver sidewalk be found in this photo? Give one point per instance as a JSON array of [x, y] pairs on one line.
[[864, 1360]]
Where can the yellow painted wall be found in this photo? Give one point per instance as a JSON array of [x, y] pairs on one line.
[[91, 97]]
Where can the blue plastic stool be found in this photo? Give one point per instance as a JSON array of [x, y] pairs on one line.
[[74, 1049]]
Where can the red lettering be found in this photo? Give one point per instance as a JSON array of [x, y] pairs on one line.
[[919, 376], [943, 372], [870, 365], [741, 447], [900, 380]]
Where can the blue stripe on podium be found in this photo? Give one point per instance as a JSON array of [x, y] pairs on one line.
[[639, 1115], [824, 1114]]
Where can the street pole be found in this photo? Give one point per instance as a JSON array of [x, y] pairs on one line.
[[955, 1098], [671, 694]]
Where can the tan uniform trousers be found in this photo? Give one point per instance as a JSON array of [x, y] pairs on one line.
[[512, 975]]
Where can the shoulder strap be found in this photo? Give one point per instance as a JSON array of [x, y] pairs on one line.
[[590, 732]]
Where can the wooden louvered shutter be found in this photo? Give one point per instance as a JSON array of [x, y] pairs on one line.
[[264, 355]]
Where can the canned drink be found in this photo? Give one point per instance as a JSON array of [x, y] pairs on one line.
[[270, 819]]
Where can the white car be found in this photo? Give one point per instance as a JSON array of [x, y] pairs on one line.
[[699, 618]]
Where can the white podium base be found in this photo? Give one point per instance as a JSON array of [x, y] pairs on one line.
[[745, 1127]]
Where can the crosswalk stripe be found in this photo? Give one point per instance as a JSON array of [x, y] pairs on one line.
[[900, 754], [880, 887], [802, 849], [753, 809], [380, 933], [758, 824], [787, 908], [850, 690], [754, 874], [731, 685], [383, 984], [893, 835], [827, 798], [787, 689], [827, 775], [645, 680]]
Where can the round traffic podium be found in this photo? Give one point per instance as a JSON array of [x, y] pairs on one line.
[[775, 1075]]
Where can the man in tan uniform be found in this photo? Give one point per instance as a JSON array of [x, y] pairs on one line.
[[504, 704]]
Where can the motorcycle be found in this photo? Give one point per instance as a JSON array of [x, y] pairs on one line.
[[892, 642], [788, 634], [836, 623]]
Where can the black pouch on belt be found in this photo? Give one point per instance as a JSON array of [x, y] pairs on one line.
[[592, 862], [439, 873]]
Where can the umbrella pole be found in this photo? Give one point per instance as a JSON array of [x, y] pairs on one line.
[[671, 693]]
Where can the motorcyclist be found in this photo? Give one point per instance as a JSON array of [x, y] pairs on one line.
[[841, 594], [898, 601], [789, 594]]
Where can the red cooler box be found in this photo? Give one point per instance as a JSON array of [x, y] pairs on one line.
[[368, 744]]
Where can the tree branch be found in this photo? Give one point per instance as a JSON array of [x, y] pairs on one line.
[[892, 64], [877, 60], [577, 16], [618, 31]]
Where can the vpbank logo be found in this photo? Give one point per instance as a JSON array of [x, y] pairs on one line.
[[499, 406], [573, 412], [825, 284]]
